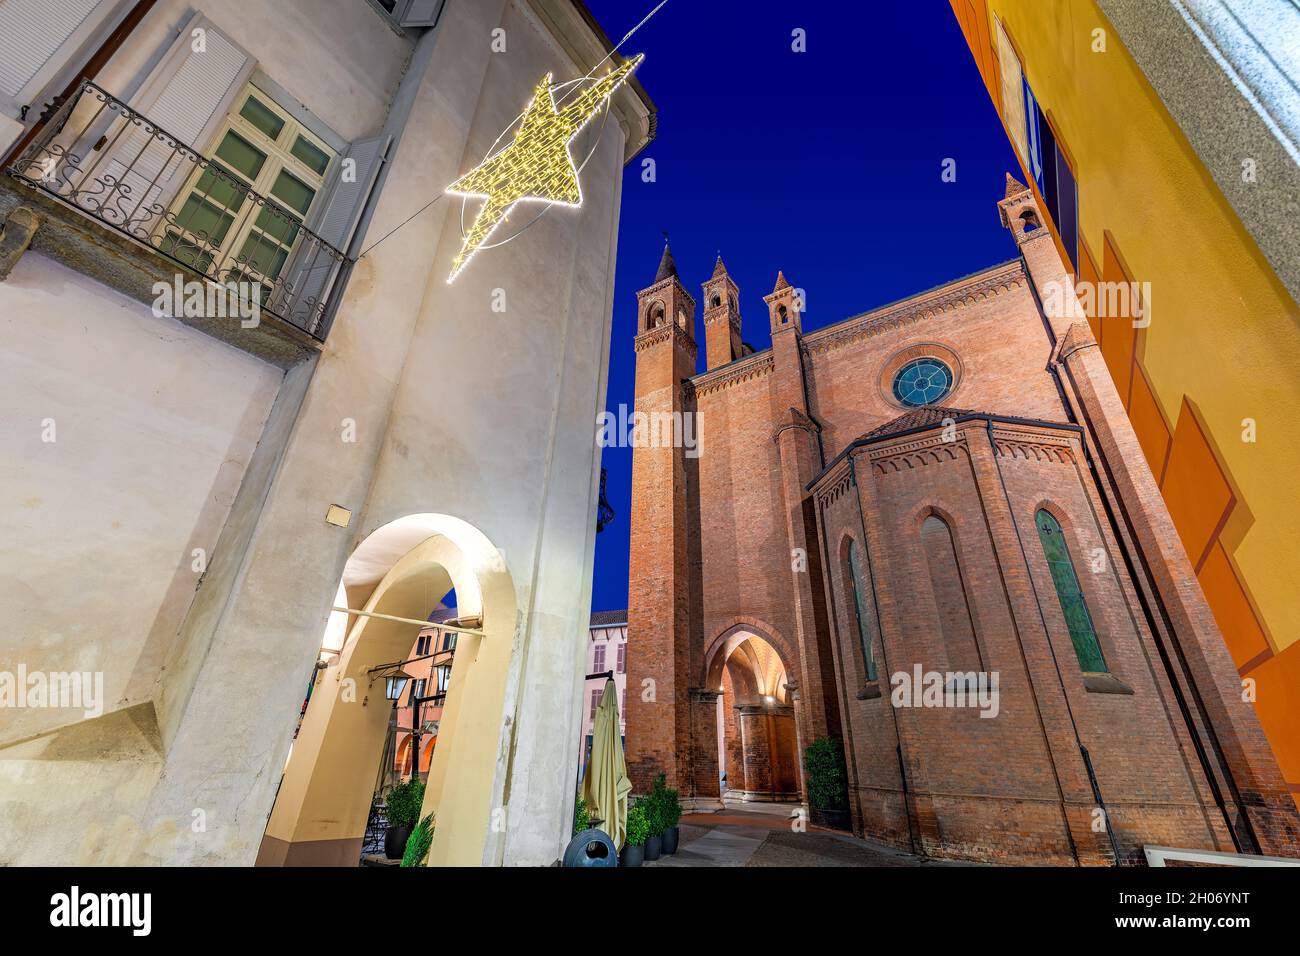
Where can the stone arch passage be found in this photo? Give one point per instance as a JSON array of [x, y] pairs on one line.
[[755, 727], [402, 569]]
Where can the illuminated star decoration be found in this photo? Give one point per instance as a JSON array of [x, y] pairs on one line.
[[536, 166]]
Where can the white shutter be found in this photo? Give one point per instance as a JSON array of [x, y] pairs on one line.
[[37, 38], [1013, 94], [188, 95], [420, 13], [313, 273]]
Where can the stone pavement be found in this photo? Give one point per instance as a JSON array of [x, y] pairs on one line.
[[761, 835]]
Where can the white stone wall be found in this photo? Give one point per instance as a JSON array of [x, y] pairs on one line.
[[154, 424], [485, 416]]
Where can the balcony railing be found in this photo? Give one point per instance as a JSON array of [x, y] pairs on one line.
[[107, 161]]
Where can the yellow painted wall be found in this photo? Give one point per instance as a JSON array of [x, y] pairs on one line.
[[1224, 340]]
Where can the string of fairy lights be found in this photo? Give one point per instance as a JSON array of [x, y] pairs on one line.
[[537, 164]]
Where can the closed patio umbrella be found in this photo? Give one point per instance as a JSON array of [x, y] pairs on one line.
[[606, 785]]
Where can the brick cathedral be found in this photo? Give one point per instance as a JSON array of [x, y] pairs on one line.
[[948, 485]]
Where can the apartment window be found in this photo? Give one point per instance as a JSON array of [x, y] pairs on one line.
[[449, 641], [622, 658], [410, 13], [1036, 142], [595, 702], [260, 148], [1053, 176], [1082, 634], [598, 660]]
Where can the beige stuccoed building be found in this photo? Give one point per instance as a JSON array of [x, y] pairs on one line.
[[186, 495]]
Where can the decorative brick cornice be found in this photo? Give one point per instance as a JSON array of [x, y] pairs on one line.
[[666, 332], [834, 484], [985, 285], [1033, 446], [917, 454], [742, 370], [650, 290]]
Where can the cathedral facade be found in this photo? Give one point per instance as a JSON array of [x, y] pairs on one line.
[[929, 531]]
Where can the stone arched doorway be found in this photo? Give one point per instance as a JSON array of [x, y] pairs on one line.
[[758, 739], [401, 570]]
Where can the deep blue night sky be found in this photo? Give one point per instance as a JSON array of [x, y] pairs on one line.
[[825, 164]]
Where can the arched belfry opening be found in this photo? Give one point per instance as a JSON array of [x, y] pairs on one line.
[[398, 577], [758, 738]]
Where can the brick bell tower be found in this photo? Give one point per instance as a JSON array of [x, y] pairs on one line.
[[659, 618], [722, 342]]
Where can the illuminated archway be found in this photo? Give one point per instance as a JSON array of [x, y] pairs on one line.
[[402, 570], [758, 738]]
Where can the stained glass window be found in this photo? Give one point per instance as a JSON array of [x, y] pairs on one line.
[[860, 612], [922, 382], [1068, 592]]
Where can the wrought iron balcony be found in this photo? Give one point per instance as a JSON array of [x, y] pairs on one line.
[[110, 163]]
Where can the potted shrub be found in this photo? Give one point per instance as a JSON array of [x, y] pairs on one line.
[[581, 816], [670, 810], [637, 831], [827, 780], [417, 845], [404, 802], [654, 818]]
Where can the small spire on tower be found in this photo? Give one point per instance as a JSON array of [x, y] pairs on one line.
[[719, 269], [1014, 187], [780, 282], [667, 267]]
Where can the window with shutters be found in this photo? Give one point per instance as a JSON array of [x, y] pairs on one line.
[[39, 42], [598, 660], [264, 150], [622, 658], [595, 702]]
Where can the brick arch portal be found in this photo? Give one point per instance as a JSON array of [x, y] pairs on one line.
[[754, 735]]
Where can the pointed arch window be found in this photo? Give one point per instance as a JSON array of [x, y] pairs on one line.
[[1082, 634], [955, 624], [860, 611]]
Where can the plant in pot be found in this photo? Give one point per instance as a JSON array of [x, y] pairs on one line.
[[654, 817], [404, 802], [417, 845], [670, 809], [637, 831], [827, 780], [581, 816]]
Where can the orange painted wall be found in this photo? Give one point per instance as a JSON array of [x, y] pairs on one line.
[[1209, 510]]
